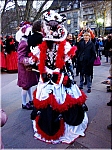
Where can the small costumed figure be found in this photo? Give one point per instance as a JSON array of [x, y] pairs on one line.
[[11, 55], [2, 56], [58, 114]]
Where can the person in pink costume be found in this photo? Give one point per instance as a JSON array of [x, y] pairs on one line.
[[26, 77]]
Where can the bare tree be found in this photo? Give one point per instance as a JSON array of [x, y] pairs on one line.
[[27, 13], [23, 13], [17, 12], [100, 12]]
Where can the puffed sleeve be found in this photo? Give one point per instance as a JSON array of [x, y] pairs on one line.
[[34, 55], [69, 51]]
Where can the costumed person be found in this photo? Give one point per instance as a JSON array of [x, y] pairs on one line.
[[11, 55], [58, 114], [2, 56], [26, 77]]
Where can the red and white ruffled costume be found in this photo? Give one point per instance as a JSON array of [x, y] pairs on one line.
[[53, 101]]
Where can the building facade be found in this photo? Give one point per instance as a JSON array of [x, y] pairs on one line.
[[89, 14], [72, 11]]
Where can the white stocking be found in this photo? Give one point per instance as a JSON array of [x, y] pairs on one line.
[[30, 94], [24, 95]]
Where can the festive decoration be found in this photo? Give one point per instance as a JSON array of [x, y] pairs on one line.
[[51, 100], [53, 28]]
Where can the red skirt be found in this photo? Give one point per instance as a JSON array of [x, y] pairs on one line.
[[11, 62], [2, 60]]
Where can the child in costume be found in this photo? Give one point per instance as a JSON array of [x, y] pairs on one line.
[[58, 114]]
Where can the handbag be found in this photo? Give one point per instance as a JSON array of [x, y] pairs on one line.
[[97, 61]]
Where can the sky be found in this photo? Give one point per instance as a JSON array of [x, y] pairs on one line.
[[36, 4]]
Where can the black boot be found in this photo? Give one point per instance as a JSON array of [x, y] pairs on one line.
[[109, 103]]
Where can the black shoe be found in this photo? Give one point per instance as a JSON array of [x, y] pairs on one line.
[[109, 103], [85, 83], [80, 88], [84, 106], [89, 91], [109, 90], [109, 127], [27, 106], [31, 102]]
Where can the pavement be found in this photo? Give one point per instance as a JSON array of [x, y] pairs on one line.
[[17, 133]]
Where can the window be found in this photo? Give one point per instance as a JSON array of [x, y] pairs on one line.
[[57, 10], [75, 6], [85, 10], [62, 8], [68, 29], [85, 17], [92, 23], [75, 20], [69, 15], [75, 15], [90, 17], [75, 25], [91, 10], [68, 7]]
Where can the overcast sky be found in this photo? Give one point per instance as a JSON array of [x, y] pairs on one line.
[[36, 4]]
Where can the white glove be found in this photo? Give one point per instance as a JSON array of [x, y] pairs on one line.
[[31, 61]]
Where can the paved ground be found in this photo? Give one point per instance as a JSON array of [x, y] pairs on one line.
[[18, 133]]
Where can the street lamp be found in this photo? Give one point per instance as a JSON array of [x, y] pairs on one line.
[[100, 22], [68, 21]]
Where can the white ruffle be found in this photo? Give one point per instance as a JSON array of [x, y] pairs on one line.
[[59, 91]]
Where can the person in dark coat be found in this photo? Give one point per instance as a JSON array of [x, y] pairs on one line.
[[37, 36], [108, 45], [35, 39], [85, 60]]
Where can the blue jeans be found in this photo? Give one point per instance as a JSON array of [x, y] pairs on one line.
[[88, 78]]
